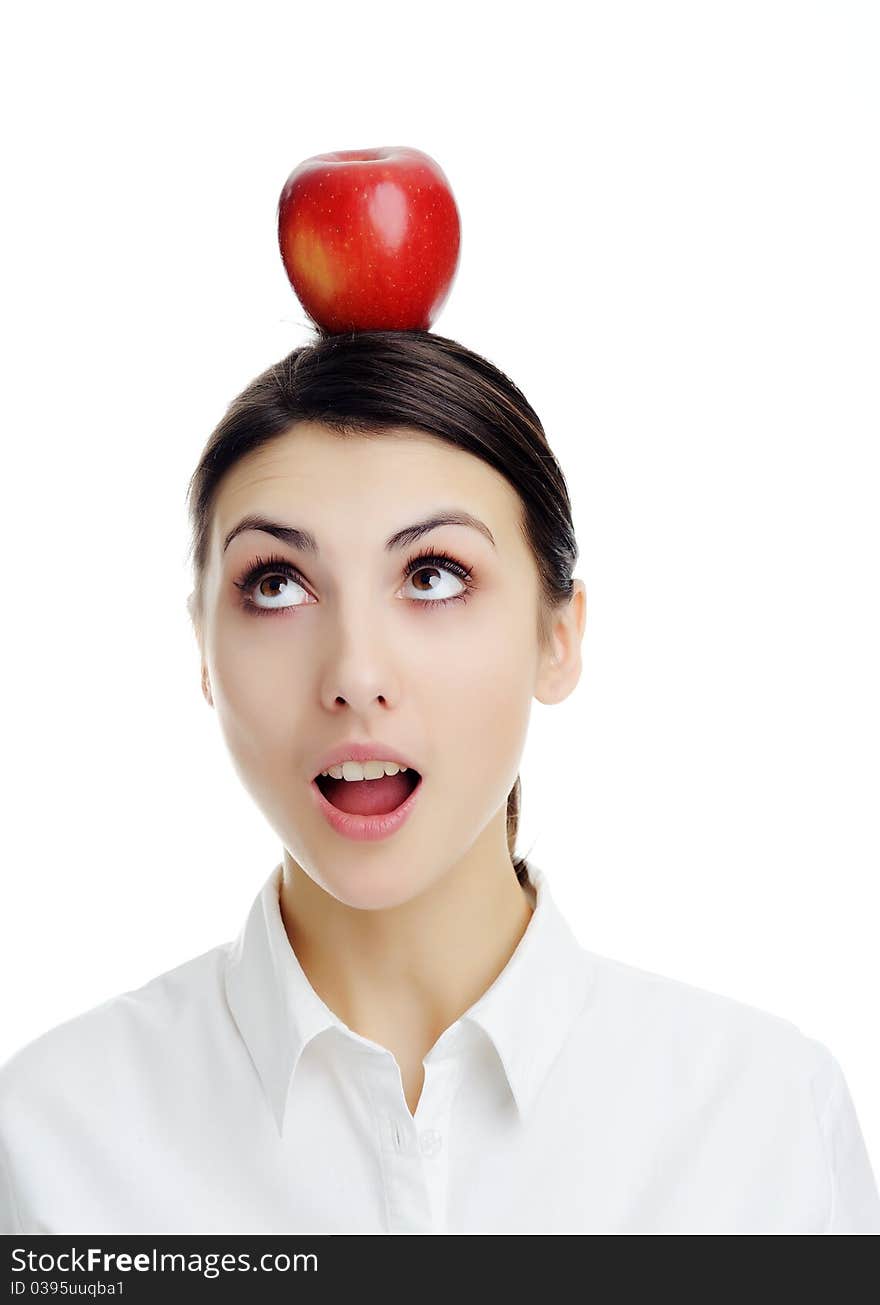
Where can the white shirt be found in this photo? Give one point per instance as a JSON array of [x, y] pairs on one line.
[[578, 1095]]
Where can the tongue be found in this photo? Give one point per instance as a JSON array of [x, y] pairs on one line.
[[368, 797]]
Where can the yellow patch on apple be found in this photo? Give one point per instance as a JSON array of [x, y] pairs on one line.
[[324, 278]]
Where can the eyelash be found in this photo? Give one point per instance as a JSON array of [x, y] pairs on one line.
[[264, 566]]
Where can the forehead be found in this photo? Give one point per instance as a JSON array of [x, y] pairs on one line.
[[351, 488]]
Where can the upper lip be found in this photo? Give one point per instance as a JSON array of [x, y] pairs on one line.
[[372, 750]]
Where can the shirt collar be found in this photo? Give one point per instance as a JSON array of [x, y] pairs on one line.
[[526, 1013]]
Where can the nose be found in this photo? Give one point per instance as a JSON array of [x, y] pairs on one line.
[[361, 669]]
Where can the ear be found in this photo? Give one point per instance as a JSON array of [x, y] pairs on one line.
[[560, 665], [197, 630]]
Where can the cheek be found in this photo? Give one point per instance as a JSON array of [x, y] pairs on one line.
[[480, 685], [491, 708], [256, 695], [478, 723]]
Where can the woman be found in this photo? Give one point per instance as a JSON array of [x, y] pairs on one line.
[[406, 1036]]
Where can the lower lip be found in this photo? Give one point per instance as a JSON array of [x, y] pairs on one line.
[[366, 829]]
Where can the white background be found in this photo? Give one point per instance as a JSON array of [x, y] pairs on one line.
[[670, 218]]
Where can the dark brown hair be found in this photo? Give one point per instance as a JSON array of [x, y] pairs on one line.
[[367, 382]]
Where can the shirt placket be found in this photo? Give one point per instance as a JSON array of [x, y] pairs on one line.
[[414, 1152]]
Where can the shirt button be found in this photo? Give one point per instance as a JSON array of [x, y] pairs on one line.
[[429, 1141]]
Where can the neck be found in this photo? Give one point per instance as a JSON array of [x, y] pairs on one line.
[[401, 975]]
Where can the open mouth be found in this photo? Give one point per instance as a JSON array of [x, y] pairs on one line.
[[369, 797]]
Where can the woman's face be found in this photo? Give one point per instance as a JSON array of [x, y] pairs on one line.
[[354, 648]]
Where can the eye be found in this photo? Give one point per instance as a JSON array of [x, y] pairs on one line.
[[424, 564], [283, 578], [275, 569]]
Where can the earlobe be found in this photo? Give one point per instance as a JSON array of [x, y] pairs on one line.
[[206, 686]]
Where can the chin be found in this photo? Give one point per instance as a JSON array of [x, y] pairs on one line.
[[373, 880], [379, 887]]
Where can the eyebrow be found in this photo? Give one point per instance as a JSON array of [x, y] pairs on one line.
[[294, 537]]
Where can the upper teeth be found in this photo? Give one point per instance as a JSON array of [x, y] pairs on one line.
[[363, 770]]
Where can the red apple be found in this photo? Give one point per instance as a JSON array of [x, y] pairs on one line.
[[369, 238]]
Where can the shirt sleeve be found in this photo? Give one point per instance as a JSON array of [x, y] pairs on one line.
[[855, 1202]]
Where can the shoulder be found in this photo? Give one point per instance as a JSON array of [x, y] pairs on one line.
[[89, 1054], [99, 1091], [769, 1104], [701, 1036]]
